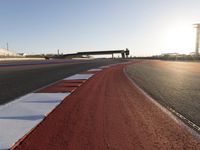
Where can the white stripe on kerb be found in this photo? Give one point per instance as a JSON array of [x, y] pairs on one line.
[[95, 70], [19, 117], [102, 67], [79, 77]]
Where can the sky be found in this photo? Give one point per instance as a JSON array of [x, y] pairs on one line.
[[145, 27]]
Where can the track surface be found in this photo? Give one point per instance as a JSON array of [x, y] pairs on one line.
[[22, 77], [175, 84], [108, 112]]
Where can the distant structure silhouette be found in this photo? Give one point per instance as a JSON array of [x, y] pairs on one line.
[[197, 39], [5, 52], [124, 53]]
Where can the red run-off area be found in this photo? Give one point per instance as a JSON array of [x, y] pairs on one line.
[[108, 112]]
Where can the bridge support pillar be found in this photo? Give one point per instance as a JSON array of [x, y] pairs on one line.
[[123, 55]]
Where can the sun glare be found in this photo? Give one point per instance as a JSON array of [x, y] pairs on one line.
[[179, 38]]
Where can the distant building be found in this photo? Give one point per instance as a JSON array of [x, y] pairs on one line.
[[4, 52], [21, 54], [170, 54], [192, 53]]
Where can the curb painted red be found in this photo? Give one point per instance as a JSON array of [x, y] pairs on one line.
[[71, 83]]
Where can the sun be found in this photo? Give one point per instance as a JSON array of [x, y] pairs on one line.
[[180, 38]]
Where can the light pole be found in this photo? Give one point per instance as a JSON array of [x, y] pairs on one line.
[[197, 39], [7, 46]]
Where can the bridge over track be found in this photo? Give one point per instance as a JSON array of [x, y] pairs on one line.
[[124, 54]]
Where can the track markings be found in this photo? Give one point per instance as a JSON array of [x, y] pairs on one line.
[[103, 67], [20, 117], [91, 70], [16, 119], [79, 76], [184, 119]]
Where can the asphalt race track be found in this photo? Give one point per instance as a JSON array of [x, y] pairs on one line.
[[107, 112], [22, 77], [172, 84]]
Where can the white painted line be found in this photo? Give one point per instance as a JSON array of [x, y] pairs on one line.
[[18, 118], [95, 70], [79, 77], [43, 102], [103, 67]]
